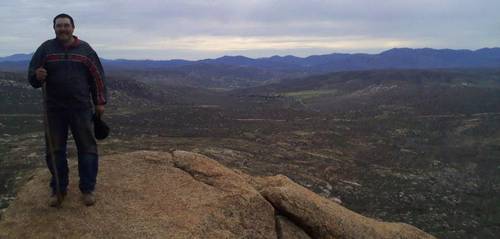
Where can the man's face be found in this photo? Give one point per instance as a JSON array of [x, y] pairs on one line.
[[63, 29]]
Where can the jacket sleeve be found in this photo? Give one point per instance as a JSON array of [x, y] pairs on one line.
[[97, 81], [36, 62]]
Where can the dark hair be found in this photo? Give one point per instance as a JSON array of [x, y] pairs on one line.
[[63, 15]]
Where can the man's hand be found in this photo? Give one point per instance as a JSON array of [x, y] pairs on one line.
[[99, 110], [41, 74]]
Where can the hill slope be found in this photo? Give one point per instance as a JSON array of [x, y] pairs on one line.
[[419, 91]]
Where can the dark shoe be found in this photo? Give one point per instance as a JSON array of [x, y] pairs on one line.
[[88, 199], [54, 200]]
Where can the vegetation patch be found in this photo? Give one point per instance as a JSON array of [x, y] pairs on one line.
[[309, 94]]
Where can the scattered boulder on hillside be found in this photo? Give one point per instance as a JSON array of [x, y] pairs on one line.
[[149, 194]]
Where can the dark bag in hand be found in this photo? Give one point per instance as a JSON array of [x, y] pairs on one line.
[[101, 129]]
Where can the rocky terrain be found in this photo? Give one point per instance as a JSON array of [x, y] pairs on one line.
[[419, 147], [179, 194]]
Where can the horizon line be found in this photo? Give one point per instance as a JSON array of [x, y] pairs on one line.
[[277, 55]]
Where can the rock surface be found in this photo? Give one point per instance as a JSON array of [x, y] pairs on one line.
[[179, 194]]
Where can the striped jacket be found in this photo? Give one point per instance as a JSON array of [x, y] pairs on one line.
[[74, 74]]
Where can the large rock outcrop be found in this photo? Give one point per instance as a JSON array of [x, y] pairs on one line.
[[186, 195]]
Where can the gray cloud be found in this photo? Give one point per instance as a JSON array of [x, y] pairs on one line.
[[165, 29]]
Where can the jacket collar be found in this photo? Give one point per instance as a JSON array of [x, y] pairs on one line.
[[74, 44]]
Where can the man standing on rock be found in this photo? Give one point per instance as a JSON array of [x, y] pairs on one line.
[[73, 75]]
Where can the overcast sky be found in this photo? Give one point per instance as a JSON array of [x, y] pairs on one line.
[[198, 29]]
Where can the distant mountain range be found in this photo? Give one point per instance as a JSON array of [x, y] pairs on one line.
[[17, 57], [397, 58]]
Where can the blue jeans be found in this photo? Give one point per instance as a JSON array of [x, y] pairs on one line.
[[80, 123]]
